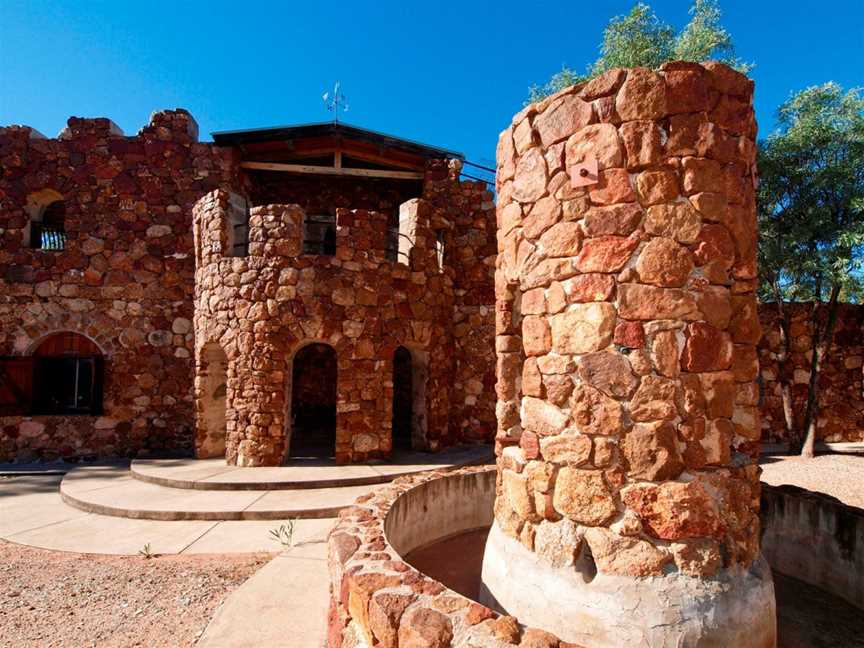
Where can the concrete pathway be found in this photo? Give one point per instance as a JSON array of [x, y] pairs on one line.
[[283, 604], [32, 513]]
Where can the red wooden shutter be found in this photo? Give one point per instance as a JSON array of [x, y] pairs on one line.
[[16, 386]]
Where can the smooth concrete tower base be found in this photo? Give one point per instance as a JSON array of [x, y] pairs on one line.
[[734, 608]]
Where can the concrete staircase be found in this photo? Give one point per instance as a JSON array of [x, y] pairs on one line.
[[189, 489]]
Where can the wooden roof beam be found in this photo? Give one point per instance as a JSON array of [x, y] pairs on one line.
[[328, 170]]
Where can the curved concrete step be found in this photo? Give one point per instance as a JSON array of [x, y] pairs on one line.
[[215, 474], [113, 491]]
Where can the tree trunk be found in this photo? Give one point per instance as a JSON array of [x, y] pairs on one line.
[[782, 367], [822, 340]]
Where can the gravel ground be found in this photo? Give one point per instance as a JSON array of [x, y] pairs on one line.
[[841, 476], [51, 599]]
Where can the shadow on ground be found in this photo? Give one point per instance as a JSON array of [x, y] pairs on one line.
[[29, 484]]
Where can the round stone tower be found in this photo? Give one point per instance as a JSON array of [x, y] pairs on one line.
[[628, 489]]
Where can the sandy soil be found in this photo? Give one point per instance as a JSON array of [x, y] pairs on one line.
[[837, 475], [50, 598]]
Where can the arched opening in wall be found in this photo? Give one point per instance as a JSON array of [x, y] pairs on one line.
[[409, 399], [313, 402], [68, 375], [46, 227], [213, 395]]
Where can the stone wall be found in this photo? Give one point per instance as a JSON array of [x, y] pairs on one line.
[[473, 250], [841, 399], [125, 279], [626, 338], [815, 538], [260, 309], [378, 599]]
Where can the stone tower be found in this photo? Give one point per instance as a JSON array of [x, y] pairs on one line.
[[628, 490]]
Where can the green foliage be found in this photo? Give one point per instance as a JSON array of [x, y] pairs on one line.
[[641, 39], [811, 197], [704, 38]]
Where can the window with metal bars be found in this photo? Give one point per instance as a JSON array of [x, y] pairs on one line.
[[49, 233]]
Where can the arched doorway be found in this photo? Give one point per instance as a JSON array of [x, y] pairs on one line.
[[402, 399], [212, 401], [409, 399], [313, 402]]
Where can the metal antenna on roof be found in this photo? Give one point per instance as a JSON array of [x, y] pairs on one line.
[[335, 101]]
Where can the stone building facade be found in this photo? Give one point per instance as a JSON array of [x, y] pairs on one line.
[[626, 332], [101, 237]]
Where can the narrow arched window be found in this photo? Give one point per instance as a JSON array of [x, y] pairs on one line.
[[47, 229], [68, 374]]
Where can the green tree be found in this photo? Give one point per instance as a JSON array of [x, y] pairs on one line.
[[811, 221], [641, 39], [638, 39], [704, 38]]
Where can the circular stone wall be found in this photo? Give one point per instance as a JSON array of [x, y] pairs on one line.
[[628, 498], [377, 599]]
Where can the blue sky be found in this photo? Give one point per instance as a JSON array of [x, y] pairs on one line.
[[449, 74]]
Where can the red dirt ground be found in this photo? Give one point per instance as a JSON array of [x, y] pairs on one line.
[[50, 598]]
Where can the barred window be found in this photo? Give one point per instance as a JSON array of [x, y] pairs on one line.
[[48, 231]]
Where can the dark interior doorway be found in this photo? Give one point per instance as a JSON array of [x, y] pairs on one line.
[[403, 397], [313, 402]]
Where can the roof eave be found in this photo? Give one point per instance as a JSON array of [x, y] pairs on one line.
[[298, 131]]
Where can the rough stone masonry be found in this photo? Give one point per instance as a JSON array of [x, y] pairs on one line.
[[626, 331], [126, 281]]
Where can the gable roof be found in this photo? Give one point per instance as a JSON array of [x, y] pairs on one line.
[[331, 129]]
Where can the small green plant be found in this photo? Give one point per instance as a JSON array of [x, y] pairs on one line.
[[284, 534], [146, 553]]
